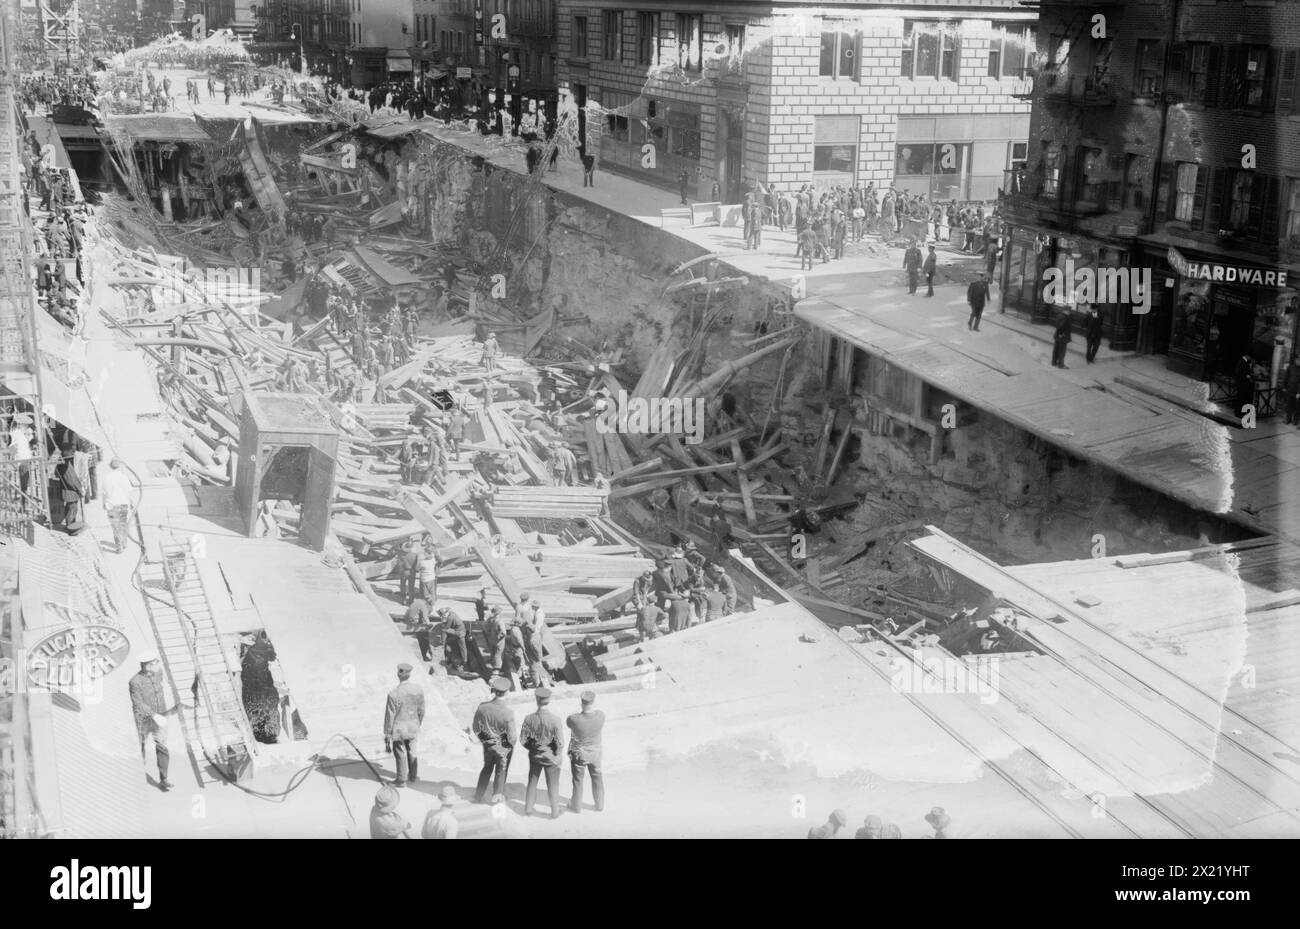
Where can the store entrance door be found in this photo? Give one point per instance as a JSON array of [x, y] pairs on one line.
[[1234, 318]]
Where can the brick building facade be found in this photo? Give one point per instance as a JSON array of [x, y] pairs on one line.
[[1138, 159], [809, 94]]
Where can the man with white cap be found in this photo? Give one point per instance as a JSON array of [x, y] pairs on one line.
[[149, 703], [118, 495], [442, 823]]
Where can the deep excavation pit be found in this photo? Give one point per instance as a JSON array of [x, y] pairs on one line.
[[1012, 496]]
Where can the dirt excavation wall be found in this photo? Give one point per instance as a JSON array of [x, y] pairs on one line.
[[606, 270], [1001, 490]]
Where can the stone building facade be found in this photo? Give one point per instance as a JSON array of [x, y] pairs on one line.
[[912, 95]]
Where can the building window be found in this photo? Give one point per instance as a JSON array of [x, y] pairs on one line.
[[835, 149], [1199, 67], [1184, 191], [612, 33], [1293, 211], [1011, 50], [1242, 191], [935, 170], [1051, 171], [579, 43], [735, 37], [1019, 155], [930, 50], [617, 127], [1254, 77], [460, 41], [1134, 182], [1091, 186], [690, 41], [647, 38], [839, 55], [1147, 80]]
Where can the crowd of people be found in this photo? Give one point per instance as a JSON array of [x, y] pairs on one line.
[[41, 92], [825, 221], [541, 736]]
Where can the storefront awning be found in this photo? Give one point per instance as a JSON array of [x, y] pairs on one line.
[[400, 64]]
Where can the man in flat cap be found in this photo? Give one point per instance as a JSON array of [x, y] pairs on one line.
[[585, 751], [148, 691], [494, 726], [542, 736], [403, 716]]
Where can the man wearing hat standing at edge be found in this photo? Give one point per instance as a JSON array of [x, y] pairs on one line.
[[542, 736], [403, 715], [585, 751], [442, 823], [149, 703], [494, 726]]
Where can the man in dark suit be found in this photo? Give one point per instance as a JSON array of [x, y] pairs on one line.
[[585, 751], [977, 294], [542, 736], [1061, 339], [494, 725], [403, 715], [912, 264], [931, 263], [1093, 333]]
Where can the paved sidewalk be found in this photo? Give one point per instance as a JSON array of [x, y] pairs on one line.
[[1248, 475]]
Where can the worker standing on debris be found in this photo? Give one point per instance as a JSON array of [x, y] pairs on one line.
[[417, 616], [408, 570], [494, 726], [585, 751], [429, 571], [456, 430], [494, 636], [715, 602], [679, 609], [647, 621], [149, 704], [490, 349], [725, 584], [408, 458], [403, 716], [542, 736], [453, 632]]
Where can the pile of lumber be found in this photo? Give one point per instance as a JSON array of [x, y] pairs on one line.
[[555, 502]]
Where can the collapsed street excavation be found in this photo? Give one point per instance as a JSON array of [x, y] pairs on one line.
[[369, 421]]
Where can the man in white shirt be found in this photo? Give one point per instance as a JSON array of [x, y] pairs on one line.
[[118, 501]]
